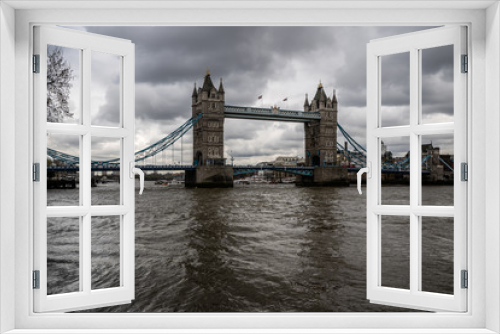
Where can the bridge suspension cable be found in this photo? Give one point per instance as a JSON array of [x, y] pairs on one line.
[[351, 140], [140, 155]]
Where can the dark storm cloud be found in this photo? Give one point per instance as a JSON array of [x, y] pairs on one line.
[[109, 113], [275, 61], [351, 77], [438, 60], [183, 53], [437, 82], [395, 80], [247, 58], [64, 143]]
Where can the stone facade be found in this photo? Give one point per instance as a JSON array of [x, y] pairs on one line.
[[208, 133], [208, 138], [321, 135]]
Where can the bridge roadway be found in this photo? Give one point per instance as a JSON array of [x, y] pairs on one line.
[[237, 170], [270, 114]]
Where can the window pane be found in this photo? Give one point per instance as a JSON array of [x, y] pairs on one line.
[[63, 170], [395, 89], [106, 171], [437, 254], [395, 249], [63, 85], [437, 170], [395, 176], [105, 100], [437, 84], [105, 252], [63, 255]]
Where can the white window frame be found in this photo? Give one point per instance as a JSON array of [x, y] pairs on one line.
[[413, 45], [482, 18], [86, 44]]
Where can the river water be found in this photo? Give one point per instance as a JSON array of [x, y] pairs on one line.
[[253, 248]]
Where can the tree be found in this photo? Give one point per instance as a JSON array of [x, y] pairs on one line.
[[59, 77]]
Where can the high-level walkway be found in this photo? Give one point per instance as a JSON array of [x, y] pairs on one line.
[[270, 114]]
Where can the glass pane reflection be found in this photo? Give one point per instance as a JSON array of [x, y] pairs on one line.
[[395, 89], [63, 85], [395, 249], [437, 84], [105, 100]]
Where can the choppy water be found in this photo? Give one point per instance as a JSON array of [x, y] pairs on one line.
[[257, 248]]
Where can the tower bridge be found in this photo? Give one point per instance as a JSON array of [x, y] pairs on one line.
[[209, 168], [320, 128]]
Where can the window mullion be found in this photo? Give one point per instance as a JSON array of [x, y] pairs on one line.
[[85, 166], [86, 249], [414, 171], [85, 183]]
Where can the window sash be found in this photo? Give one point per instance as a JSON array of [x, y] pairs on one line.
[[86, 297], [413, 43]]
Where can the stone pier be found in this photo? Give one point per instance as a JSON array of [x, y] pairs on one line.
[[325, 177], [210, 177]]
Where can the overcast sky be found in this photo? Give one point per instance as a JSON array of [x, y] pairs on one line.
[[276, 62]]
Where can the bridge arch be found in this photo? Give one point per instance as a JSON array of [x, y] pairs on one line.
[[198, 159], [316, 161]]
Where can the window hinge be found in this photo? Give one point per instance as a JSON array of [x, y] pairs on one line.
[[36, 172], [36, 63], [465, 279], [465, 64], [36, 279], [464, 171]]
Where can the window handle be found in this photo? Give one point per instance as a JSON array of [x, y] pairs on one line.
[[133, 171], [368, 172]]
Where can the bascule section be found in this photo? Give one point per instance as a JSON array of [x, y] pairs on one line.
[[208, 138]]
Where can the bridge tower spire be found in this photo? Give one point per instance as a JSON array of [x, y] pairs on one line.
[[194, 96], [321, 135]]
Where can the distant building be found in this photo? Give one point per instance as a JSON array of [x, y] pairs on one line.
[[289, 162], [264, 164]]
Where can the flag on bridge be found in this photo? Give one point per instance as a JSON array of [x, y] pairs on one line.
[[285, 99], [259, 97]]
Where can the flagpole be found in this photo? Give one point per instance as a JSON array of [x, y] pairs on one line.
[[286, 102]]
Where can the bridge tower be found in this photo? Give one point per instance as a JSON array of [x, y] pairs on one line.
[[321, 135], [208, 137], [208, 133], [321, 143]]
